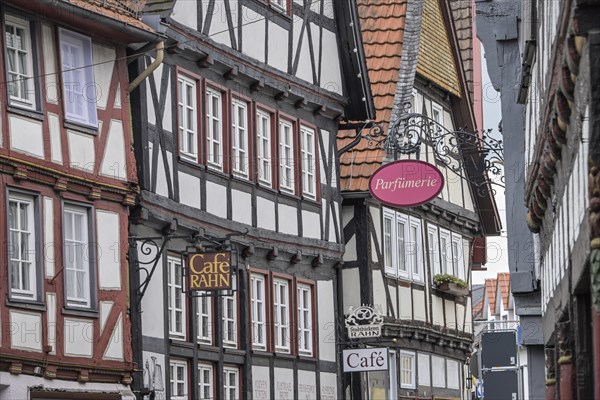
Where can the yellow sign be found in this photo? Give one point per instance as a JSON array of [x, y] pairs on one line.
[[209, 271]]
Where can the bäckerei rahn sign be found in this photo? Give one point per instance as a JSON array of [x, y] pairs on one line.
[[406, 183]]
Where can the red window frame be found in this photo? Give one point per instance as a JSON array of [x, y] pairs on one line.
[[199, 110]]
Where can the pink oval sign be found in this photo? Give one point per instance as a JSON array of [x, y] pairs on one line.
[[406, 183]]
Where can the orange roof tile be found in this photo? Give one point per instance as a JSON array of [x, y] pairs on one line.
[[504, 285], [382, 26], [490, 289], [126, 11]]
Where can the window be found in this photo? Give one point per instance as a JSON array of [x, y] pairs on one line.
[[263, 127], [415, 250], [239, 127], [79, 90], [20, 62], [309, 184], [402, 245], [286, 156], [407, 370], [280, 5], [187, 117], [22, 250], [178, 380], [458, 262], [214, 131], [77, 256], [445, 252], [437, 113], [176, 300], [205, 381], [281, 305], [434, 246], [229, 321], [305, 334], [204, 313], [259, 322], [231, 383]]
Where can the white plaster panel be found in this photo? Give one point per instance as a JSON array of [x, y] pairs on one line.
[[323, 219], [437, 305], [49, 236], [79, 337], [438, 368], [393, 289], [326, 323], [304, 70], [379, 297], [50, 64], [314, 30], [186, 12], [419, 305], [241, 206], [114, 349], [452, 375], [331, 76], [278, 41], [311, 225], [328, 386], [104, 63], [253, 34], [288, 220], [307, 385], [161, 174], [109, 250], [423, 374], [216, 203], [351, 282], [113, 163], [328, 9], [153, 300], [25, 331], [118, 96], [26, 136], [469, 317], [450, 314], [284, 383], [55, 139], [350, 252], [105, 307], [149, 104], [265, 210], [189, 190], [219, 31], [51, 316], [150, 146], [81, 151], [405, 302], [261, 386], [167, 117], [460, 317]]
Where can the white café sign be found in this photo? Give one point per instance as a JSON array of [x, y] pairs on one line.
[[363, 322], [357, 360]]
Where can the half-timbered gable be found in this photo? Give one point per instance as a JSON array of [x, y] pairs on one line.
[[66, 180], [392, 254], [234, 144]]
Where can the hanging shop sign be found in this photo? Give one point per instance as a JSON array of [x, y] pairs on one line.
[[363, 322], [209, 271], [406, 183], [373, 359]]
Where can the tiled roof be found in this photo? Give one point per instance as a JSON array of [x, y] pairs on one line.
[[436, 61], [126, 11], [478, 310], [382, 25], [504, 287], [462, 13], [490, 289]]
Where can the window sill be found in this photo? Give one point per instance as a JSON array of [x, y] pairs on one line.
[[76, 126], [190, 162], [180, 342], [26, 304], [288, 356], [230, 350], [262, 353], [305, 357], [75, 312], [316, 201], [25, 112]]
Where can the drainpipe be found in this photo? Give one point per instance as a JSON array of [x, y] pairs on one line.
[[160, 54]]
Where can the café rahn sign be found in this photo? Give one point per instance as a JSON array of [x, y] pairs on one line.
[[209, 271], [406, 183]]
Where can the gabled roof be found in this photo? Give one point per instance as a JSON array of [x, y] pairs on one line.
[[490, 289], [503, 282], [478, 300]]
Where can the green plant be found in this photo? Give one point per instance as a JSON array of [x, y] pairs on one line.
[[443, 278]]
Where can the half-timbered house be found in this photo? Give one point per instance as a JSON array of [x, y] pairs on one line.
[[235, 139], [393, 254], [66, 182]]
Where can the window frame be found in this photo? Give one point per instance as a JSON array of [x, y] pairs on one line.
[[284, 9], [173, 364], [213, 90], [305, 165], [417, 274], [197, 82], [292, 124], [437, 108], [87, 67], [231, 370], [255, 277], [201, 384], [412, 356], [35, 219], [259, 137], [209, 316], [433, 247], [388, 248], [238, 100], [306, 285], [392, 249], [445, 262], [282, 344], [92, 289], [458, 261], [225, 319], [404, 219], [172, 262]]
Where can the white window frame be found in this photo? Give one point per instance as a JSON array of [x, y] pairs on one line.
[[205, 384], [305, 319], [445, 252], [402, 254], [187, 128], [227, 373], [281, 307], [280, 5], [239, 142], [458, 260], [229, 321], [286, 156], [436, 108], [389, 242], [83, 67], [15, 253], [411, 356], [309, 162], [433, 243], [24, 79], [263, 145], [174, 367], [214, 139], [416, 242], [87, 263], [204, 319], [175, 291], [259, 311]]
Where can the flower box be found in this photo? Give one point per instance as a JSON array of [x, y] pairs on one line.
[[453, 288]]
